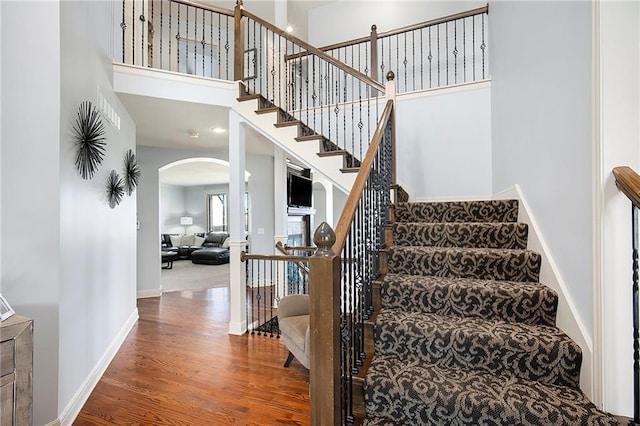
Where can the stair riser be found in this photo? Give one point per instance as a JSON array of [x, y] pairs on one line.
[[522, 266], [470, 235], [470, 211], [512, 302], [544, 354]]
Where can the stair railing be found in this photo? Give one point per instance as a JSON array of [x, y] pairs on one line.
[[331, 98], [269, 278], [178, 35], [436, 53], [341, 275], [628, 182]]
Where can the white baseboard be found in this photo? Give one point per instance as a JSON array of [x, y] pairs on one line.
[[567, 318], [149, 293], [72, 409]]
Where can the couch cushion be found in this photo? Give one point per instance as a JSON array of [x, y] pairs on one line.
[[215, 239], [187, 240], [294, 335], [175, 240], [197, 241]]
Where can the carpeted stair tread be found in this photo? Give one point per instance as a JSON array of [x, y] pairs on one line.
[[410, 392], [467, 234], [531, 352], [479, 263], [524, 302], [458, 211]]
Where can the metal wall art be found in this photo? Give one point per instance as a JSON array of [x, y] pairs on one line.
[[131, 172], [89, 140], [115, 189]]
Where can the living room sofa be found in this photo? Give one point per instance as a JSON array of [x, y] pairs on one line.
[[211, 249]]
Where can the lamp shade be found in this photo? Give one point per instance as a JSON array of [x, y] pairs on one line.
[[186, 220]]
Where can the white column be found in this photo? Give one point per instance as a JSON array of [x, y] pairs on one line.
[[280, 233], [237, 278]]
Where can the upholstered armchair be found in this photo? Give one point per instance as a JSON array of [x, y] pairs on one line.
[[293, 320]]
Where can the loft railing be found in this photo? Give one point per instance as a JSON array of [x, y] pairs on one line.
[[178, 35], [342, 272], [435, 53], [628, 182], [331, 99]]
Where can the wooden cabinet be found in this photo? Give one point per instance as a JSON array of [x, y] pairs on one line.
[[16, 371]]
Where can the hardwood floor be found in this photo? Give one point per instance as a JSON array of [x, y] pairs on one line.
[[178, 366]]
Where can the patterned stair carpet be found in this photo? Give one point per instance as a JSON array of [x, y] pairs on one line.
[[466, 334]]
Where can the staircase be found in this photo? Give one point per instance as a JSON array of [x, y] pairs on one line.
[[465, 333]]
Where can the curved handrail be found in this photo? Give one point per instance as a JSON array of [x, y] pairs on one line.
[[315, 51], [284, 250], [350, 206], [628, 181]]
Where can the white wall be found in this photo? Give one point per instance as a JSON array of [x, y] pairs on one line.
[[97, 243], [351, 19], [82, 293], [172, 208], [443, 142], [31, 185], [618, 117], [542, 128]]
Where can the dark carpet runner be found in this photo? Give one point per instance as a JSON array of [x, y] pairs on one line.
[[466, 334]]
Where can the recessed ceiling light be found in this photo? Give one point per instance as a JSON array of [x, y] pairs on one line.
[[289, 29], [194, 135], [219, 130]]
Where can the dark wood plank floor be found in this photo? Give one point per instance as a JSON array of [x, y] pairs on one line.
[[178, 366]]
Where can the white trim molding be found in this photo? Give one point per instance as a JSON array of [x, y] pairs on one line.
[[72, 409]]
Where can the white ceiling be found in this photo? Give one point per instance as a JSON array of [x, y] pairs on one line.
[[164, 123]]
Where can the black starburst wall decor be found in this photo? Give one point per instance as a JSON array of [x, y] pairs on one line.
[[131, 172], [115, 189], [89, 140]]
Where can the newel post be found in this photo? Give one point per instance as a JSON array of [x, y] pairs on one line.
[[238, 43], [324, 312]]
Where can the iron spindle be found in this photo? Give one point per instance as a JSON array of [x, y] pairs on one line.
[[226, 48], [446, 49], [161, 31], [455, 52], [151, 33], [413, 58], [473, 45], [464, 49], [438, 52], [211, 48], [133, 33], [482, 46], [178, 40], [636, 325], [405, 62]]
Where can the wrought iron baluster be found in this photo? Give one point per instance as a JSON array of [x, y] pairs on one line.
[[455, 52], [421, 61], [446, 48], [413, 58], [405, 62], [161, 33], [382, 57], [473, 44], [151, 33], [315, 93], [170, 37], [178, 39], [123, 25], [464, 49], [227, 46], [186, 42], [280, 56], [636, 326], [483, 46], [211, 49], [133, 33], [273, 67]]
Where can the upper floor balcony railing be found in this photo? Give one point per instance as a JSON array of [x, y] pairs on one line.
[[197, 39]]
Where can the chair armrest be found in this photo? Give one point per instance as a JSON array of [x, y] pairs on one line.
[[293, 305]]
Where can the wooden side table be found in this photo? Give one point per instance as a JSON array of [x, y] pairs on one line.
[[16, 371]]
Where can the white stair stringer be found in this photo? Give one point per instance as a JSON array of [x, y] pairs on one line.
[[305, 152]]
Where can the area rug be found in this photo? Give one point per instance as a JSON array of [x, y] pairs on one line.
[[186, 275]]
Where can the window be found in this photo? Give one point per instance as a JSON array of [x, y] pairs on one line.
[[218, 212]]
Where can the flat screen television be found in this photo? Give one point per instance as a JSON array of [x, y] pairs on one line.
[[300, 191]]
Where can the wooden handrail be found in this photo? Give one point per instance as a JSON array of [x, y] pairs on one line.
[[315, 51], [425, 24], [284, 250], [210, 8], [628, 182], [350, 206], [247, 256]]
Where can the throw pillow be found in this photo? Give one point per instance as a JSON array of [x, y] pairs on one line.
[[225, 244], [197, 241], [187, 240], [175, 240]]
